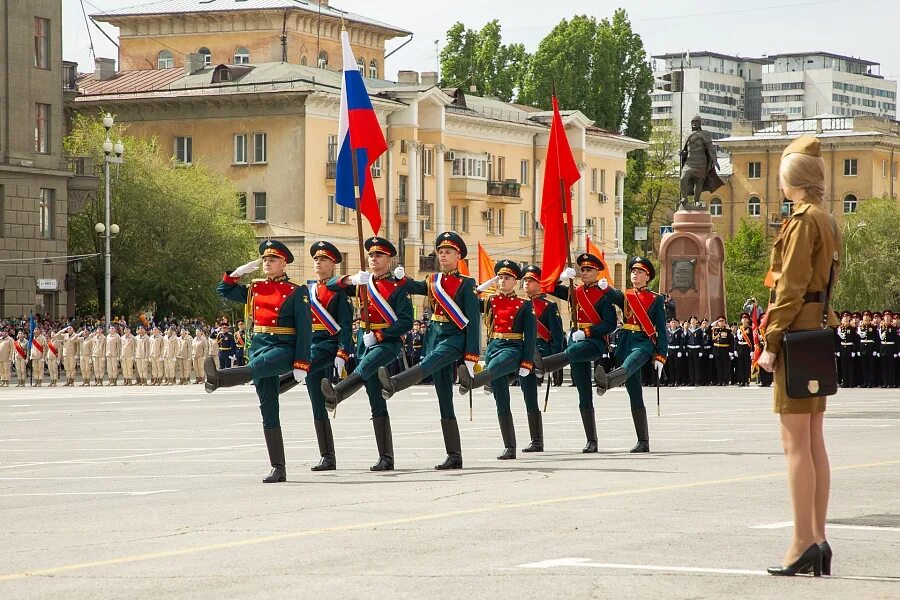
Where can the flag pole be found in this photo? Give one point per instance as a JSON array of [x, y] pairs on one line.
[[361, 290]]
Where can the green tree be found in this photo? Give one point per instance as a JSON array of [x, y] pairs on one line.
[[480, 58], [179, 228], [746, 263], [652, 205], [869, 277]]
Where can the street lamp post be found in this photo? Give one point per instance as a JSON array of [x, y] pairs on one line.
[[113, 154]]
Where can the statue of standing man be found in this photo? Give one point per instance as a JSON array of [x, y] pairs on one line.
[[698, 166]]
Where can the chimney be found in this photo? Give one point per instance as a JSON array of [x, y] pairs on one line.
[[104, 68], [194, 62], [409, 77], [429, 78]]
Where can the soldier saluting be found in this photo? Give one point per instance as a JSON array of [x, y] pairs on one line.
[[281, 340]]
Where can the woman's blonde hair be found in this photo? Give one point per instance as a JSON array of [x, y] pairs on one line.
[[804, 172]]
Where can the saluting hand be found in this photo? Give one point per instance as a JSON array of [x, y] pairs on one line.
[[488, 283], [248, 268]]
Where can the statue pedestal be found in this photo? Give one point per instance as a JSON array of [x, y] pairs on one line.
[[692, 261]]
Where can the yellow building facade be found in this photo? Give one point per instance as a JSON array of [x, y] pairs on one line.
[[861, 161]]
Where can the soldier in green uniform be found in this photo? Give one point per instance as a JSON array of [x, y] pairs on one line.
[[511, 329], [279, 309], [595, 320], [390, 315], [332, 341], [454, 334], [642, 339]]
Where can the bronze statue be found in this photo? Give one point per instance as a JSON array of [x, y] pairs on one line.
[[698, 166]]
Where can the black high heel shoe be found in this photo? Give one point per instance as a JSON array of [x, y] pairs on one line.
[[812, 558], [826, 557]]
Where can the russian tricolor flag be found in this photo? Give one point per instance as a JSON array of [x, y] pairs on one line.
[[359, 132]]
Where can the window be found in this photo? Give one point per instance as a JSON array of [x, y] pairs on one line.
[[184, 149], [602, 181], [523, 173], [467, 166], [242, 205], [500, 220], [849, 167], [164, 60], [373, 69], [259, 148], [2, 215], [600, 234], [41, 43], [454, 218], [323, 60], [428, 161], [42, 128], [524, 224], [46, 225], [593, 180], [240, 149], [332, 148], [715, 207], [753, 206], [465, 219], [361, 66], [207, 56], [501, 168], [884, 168], [754, 170], [402, 188], [242, 56], [259, 206], [303, 60], [332, 208], [376, 167], [787, 207], [429, 216], [489, 214], [850, 204], [403, 147]]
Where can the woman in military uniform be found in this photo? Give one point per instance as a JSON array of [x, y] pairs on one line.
[[801, 264], [280, 344], [511, 329]]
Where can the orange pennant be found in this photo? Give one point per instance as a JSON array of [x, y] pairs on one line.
[[463, 267]]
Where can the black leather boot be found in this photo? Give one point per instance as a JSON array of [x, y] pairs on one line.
[[550, 364], [326, 447], [467, 382], [536, 429], [450, 429], [400, 381], [590, 430], [334, 395], [639, 416], [385, 444], [275, 446], [508, 431], [216, 378], [605, 381]]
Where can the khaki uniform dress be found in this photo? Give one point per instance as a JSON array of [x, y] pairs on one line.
[[6, 358], [169, 356], [127, 354], [38, 350], [87, 352], [113, 350], [99, 358], [54, 349], [69, 355], [156, 364], [184, 357], [801, 261], [199, 350], [141, 357]]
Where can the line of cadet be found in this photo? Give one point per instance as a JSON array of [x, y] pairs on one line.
[[300, 334], [147, 358], [868, 349]]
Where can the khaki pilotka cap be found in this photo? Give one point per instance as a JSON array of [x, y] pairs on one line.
[[805, 144]]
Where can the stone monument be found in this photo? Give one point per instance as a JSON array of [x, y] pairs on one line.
[[692, 261]]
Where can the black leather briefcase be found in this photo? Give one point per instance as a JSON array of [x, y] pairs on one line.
[[809, 363]]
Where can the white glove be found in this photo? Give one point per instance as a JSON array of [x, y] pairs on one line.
[[710, 355], [399, 272], [603, 284], [490, 282], [853, 354], [248, 268], [659, 367], [679, 355], [470, 367], [568, 273], [369, 340], [577, 336], [361, 278], [339, 364], [523, 372], [299, 375]]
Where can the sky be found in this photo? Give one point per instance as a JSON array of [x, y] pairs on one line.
[[862, 28]]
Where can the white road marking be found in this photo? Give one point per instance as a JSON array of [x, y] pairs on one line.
[[789, 524], [148, 493]]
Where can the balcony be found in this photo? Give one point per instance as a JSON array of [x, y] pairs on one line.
[[468, 188], [70, 73], [401, 208], [331, 170], [508, 190], [84, 185]]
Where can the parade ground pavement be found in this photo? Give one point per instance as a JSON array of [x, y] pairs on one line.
[[155, 492]]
